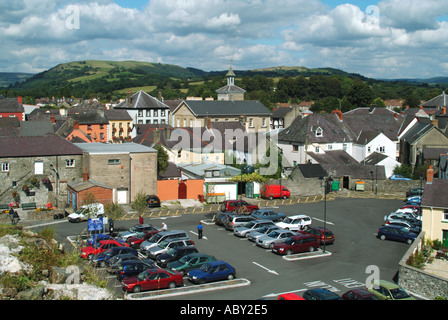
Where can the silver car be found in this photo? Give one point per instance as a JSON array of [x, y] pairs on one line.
[[166, 245], [276, 236], [255, 234], [243, 231]]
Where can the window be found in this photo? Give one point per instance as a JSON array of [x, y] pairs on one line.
[[382, 149], [148, 113], [319, 132], [5, 166], [38, 167], [263, 122], [445, 215], [70, 163], [156, 113], [317, 150], [330, 147], [140, 113], [162, 113], [113, 161], [251, 122], [295, 148]]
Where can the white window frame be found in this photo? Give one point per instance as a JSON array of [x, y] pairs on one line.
[[70, 163], [5, 167]]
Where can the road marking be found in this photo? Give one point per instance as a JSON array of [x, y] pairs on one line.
[[268, 270], [328, 222]]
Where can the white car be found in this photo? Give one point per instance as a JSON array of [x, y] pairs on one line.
[[87, 211], [295, 222]]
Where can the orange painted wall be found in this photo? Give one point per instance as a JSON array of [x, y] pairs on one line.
[[169, 189]]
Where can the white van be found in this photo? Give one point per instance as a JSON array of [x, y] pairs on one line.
[[87, 211]]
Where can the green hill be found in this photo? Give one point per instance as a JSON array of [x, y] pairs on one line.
[[9, 78]]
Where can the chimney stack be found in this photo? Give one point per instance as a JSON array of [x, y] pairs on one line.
[[338, 113], [85, 176], [429, 175], [443, 109], [128, 97], [53, 120], [19, 99]]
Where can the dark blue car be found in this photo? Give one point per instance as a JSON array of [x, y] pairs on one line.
[[320, 294], [99, 260], [396, 233], [212, 271], [132, 268]]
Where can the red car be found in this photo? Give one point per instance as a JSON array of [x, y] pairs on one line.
[[100, 247], [153, 279], [238, 205], [322, 235], [296, 244], [135, 242]]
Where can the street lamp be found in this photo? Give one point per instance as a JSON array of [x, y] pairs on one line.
[[324, 182]]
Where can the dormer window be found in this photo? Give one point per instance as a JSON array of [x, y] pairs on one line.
[[319, 132]]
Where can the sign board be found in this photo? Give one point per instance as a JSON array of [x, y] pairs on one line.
[[95, 224]]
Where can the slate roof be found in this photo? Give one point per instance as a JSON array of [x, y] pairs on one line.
[[87, 117], [113, 148], [85, 185], [142, 100], [11, 105], [439, 101], [48, 145], [356, 171], [312, 170], [333, 156], [227, 108], [117, 115], [435, 194]]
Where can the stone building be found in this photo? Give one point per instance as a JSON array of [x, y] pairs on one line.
[[127, 168]]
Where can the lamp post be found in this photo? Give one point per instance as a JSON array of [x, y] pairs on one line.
[[281, 170], [324, 182], [243, 170]]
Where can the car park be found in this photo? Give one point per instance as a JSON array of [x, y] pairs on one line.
[[243, 231], [133, 267], [101, 258], [273, 191], [386, 290], [136, 241], [152, 201], [268, 214], [255, 234], [166, 245], [296, 244], [295, 222], [238, 206], [359, 294], [396, 233], [212, 271], [99, 247], [322, 235], [320, 294], [268, 240], [159, 237], [399, 177], [135, 230], [153, 279], [175, 254], [93, 210], [190, 262], [113, 263], [237, 220]]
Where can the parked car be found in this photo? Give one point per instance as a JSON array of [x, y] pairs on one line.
[[268, 214], [398, 177], [100, 259], [255, 234], [87, 211], [159, 237], [296, 244], [273, 191], [166, 245], [221, 217], [405, 224], [320, 294], [238, 206], [243, 231], [322, 235], [153, 279], [268, 240], [396, 233], [294, 222], [289, 296], [414, 207], [152, 201], [386, 290], [99, 247], [410, 216], [190, 262], [175, 254], [133, 267], [212, 271], [136, 241], [113, 263], [135, 230], [237, 220], [415, 192], [359, 294], [416, 199], [97, 237]]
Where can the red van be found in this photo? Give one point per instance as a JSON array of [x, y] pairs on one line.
[[271, 191]]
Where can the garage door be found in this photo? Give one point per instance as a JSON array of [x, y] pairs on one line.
[[122, 196]]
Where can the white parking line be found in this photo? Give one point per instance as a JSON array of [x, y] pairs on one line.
[[328, 222]]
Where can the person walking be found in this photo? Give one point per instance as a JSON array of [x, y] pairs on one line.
[[164, 226], [140, 220], [11, 215], [16, 218], [200, 228]]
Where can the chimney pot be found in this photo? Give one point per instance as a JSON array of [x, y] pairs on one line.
[[429, 175]]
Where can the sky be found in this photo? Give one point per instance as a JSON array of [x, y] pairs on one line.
[[385, 39]]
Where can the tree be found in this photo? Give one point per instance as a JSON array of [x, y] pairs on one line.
[[162, 159], [139, 204], [360, 94]]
